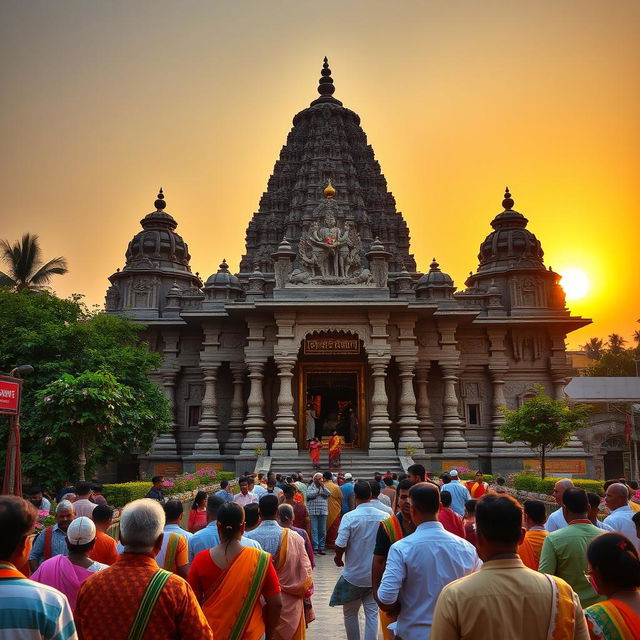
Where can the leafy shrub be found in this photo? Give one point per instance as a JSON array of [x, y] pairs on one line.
[[527, 482], [118, 495], [486, 477]]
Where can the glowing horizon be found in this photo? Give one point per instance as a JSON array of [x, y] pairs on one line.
[[104, 103]]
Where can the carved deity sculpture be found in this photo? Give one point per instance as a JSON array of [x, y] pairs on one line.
[[330, 253]]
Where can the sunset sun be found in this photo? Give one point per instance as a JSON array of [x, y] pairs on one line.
[[575, 283]]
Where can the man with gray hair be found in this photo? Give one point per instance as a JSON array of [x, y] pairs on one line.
[[52, 541], [134, 596], [621, 517], [556, 520]]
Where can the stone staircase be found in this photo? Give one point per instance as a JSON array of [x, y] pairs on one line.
[[357, 462]]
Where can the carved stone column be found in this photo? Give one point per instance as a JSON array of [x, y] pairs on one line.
[[559, 383], [453, 441], [407, 417], [425, 424], [207, 443], [285, 422], [380, 441], [497, 418], [254, 423], [165, 443], [234, 441]]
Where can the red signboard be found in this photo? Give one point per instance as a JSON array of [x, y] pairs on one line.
[[10, 389]]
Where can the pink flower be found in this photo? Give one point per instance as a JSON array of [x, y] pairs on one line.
[[168, 483], [43, 513]]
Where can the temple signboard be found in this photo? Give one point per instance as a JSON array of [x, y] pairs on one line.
[[331, 345]]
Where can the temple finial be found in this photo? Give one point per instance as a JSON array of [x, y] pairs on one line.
[[329, 191], [160, 204], [326, 88], [507, 203]]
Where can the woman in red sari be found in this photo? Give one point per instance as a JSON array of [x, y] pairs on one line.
[[335, 449], [229, 580], [314, 452], [614, 571]]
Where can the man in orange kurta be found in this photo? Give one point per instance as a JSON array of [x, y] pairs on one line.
[[108, 602], [530, 548], [477, 488]]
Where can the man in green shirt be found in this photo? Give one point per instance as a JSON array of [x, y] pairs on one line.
[[564, 552]]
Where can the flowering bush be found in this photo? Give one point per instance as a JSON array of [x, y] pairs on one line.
[[190, 481], [44, 520]]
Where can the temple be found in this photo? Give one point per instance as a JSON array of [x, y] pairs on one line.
[[329, 324]]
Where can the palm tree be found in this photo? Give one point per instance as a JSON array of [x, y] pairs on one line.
[[616, 343], [24, 261], [594, 348]]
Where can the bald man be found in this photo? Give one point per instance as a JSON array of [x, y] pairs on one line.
[[621, 517], [556, 520]]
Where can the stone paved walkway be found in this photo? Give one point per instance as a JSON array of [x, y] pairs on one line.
[[328, 624]]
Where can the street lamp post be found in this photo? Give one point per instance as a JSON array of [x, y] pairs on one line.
[[13, 472]]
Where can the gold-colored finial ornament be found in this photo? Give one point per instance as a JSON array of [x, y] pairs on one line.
[[329, 190]]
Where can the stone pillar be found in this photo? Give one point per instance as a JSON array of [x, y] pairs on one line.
[[207, 443], [497, 418], [165, 443], [559, 382], [285, 422], [453, 441], [380, 441], [407, 417], [254, 423], [234, 441], [425, 424]]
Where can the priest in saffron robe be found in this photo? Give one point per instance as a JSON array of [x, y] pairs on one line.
[[530, 548], [335, 508], [335, 449]]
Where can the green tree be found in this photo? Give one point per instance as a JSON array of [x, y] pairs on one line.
[[594, 348], [616, 343], [614, 365], [60, 337], [24, 264], [96, 413], [543, 424]]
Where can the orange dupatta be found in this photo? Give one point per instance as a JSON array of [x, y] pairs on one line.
[[232, 606], [394, 532], [563, 611], [531, 548]]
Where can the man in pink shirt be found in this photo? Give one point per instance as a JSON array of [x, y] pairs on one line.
[[245, 496]]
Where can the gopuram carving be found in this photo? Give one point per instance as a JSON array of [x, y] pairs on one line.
[[330, 252]]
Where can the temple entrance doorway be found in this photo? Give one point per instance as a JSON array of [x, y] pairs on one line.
[[332, 397]]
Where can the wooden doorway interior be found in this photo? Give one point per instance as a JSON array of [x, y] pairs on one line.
[[336, 391]]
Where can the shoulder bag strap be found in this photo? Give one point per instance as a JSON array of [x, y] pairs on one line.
[[147, 604], [48, 538]]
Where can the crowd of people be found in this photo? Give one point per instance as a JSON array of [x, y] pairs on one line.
[[419, 557]]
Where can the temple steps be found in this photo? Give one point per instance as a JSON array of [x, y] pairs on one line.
[[359, 463]]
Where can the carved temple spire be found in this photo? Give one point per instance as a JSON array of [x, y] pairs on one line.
[[325, 87], [160, 204], [507, 203]]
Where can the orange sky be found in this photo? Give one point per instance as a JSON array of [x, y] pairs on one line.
[[103, 102]]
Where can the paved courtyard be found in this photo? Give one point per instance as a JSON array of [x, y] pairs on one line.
[[328, 624]]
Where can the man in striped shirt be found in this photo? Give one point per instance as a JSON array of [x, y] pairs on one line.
[[29, 611]]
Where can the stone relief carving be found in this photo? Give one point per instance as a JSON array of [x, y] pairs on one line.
[[526, 346], [528, 292]]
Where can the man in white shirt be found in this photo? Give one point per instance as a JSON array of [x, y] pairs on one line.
[[620, 519], [355, 542], [420, 565], [376, 498], [556, 520], [245, 496]]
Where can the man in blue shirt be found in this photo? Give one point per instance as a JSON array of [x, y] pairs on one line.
[[224, 493], [57, 537], [459, 493], [348, 499], [207, 537]]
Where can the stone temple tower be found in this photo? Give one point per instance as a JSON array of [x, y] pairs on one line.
[[326, 144]]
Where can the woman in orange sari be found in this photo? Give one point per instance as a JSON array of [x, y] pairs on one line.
[[614, 571], [335, 508], [335, 449], [314, 452], [229, 579]]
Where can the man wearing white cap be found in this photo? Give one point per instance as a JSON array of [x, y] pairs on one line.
[[67, 573], [348, 499], [459, 493]]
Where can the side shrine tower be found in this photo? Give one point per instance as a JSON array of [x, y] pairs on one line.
[[329, 326]]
